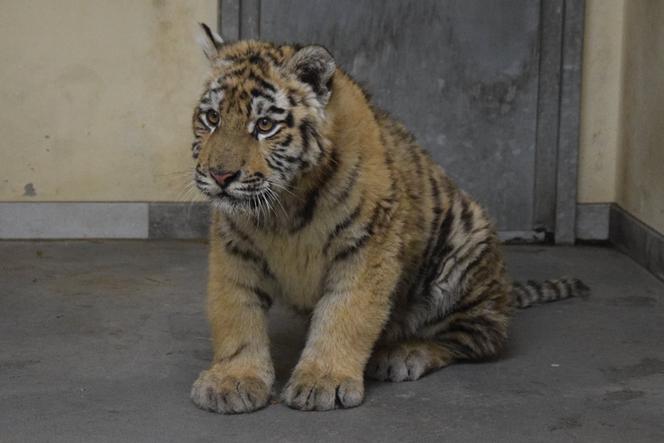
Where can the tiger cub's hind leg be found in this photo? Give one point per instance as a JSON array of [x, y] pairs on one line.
[[475, 330], [471, 339], [407, 360]]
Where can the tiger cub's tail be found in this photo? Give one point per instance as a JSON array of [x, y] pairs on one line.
[[533, 292]]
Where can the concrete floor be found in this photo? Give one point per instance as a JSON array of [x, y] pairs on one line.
[[101, 340]]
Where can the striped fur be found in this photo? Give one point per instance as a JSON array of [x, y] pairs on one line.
[[336, 211], [533, 292]]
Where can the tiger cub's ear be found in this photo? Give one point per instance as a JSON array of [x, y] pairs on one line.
[[209, 41], [315, 66]]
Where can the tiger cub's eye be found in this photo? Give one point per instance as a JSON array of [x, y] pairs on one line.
[[264, 124], [212, 117]]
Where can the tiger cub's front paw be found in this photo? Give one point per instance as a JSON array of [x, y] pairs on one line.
[[228, 394], [309, 391]]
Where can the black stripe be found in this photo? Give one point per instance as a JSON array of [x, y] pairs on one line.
[[368, 232], [460, 326], [286, 143], [272, 57], [348, 187], [306, 131], [485, 326], [381, 208], [441, 248], [352, 249], [306, 213], [264, 298], [433, 230], [388, 157], [580, 287], [475, 262], [250, 256], [537, 288], [239, 72], [243, 253], [519, 293], [286, 158], [276, 110], [460, 260], [275, 164], [341, 226], [459, 348], [469, 305], [466, 215], [233, 58], [234, 354], [289, 120], [262, 83], [414, 153], [240, 233], [255, 59], [319, 142], [258, 93], [554, 287]]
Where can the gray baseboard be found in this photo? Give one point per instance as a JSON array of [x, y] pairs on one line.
[[86, 220], [66, 220], [178, 220], [159, 221], [592, 221], [639, 241]]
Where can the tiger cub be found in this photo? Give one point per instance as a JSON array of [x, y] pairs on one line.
[[327, 204]]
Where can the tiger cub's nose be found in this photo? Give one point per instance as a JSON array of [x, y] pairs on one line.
[[223, 178]]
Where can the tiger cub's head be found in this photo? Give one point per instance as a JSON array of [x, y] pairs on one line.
[[259, 124]]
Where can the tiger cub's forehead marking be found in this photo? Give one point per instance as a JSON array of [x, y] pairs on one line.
[[269, 102], [247, 89], [212, 98]]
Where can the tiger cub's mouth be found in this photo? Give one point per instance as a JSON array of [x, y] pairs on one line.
[[256, 197], [260, 204]]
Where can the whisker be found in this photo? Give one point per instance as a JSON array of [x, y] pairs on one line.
[[286, 189], [256, 205], [275, 197], [268, 202], [265, 205], [186, 190], [187, 172]]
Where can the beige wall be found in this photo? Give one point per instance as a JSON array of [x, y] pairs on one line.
[[640, 179], [622, 112], [600, 100], [96, 98]]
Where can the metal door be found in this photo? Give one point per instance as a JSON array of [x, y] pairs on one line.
[[465, 76]]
